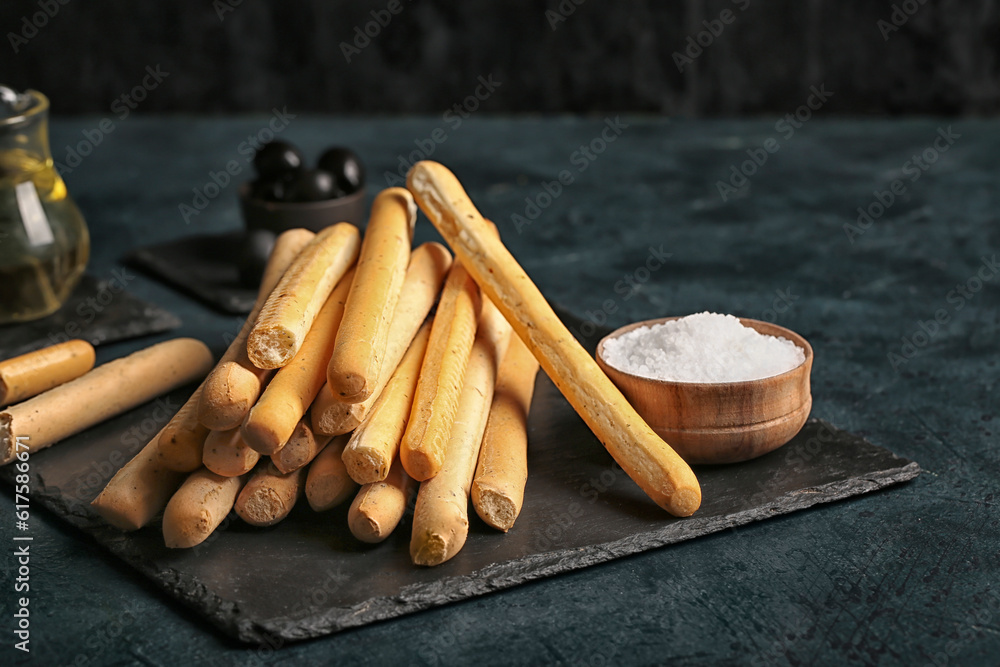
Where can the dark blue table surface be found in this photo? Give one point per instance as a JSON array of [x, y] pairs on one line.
[[908, 575]]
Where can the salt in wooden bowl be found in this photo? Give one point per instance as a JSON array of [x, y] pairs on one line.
[[720, 422]]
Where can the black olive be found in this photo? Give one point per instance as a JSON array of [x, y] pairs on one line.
[[276, 159], [269, 189], [255, 249], [346, 167], [312, 185]]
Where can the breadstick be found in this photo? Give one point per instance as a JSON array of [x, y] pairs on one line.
[[32, 373], [235, 384], [355, 366], [288, 315], [138, 491], [428, 265], [300, 449], [227, 453], [435, 399], [375, 444], [441, 515], [269, 495], [183, 438], [644, 456], [103, 393], [498, 487], [198, 507], [294, 387], [379, 506], [328, 483]]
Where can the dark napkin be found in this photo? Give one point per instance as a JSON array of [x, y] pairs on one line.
[[202, 266]]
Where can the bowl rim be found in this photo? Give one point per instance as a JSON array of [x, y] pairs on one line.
[[299, 205], [786, 333]]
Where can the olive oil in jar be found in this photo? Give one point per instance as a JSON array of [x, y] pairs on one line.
[[44, 243]]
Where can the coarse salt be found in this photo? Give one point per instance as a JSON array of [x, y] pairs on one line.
[[705, 347]]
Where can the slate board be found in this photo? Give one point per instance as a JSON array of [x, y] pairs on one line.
[[202, 266], [308, 577], [113, 315]]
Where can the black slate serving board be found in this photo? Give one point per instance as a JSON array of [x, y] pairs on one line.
[[308, 577], [203, 266], [98, 311]]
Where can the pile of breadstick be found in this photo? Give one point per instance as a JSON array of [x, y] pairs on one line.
[[343, 384]]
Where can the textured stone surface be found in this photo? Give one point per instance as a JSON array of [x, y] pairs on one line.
[[311, 577], [902, 576]]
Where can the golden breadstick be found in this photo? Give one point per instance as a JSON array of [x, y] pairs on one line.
[[235, 385], [379, 506], [300, 449], [294, 387], [435, 400], [103, 393], [138, 491], [328, 483], [428, 265], [375, 444], [356, 363], [226, 453], [644, 456], [441, 515], [288, 315], [32, 373], [183, 438], [269, 495], [498, 487], [198, 507]]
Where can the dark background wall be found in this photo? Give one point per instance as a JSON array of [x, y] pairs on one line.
[[229, 57]]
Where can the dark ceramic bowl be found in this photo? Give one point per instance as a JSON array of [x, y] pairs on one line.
[[280, 216]]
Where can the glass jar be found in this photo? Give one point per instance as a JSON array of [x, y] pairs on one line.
[[44, 243]]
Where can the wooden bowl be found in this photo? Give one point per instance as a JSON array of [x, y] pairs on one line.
[[721, 422]]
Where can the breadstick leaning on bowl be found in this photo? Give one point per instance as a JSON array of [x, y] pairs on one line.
[[645, 457], [235, 385]]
